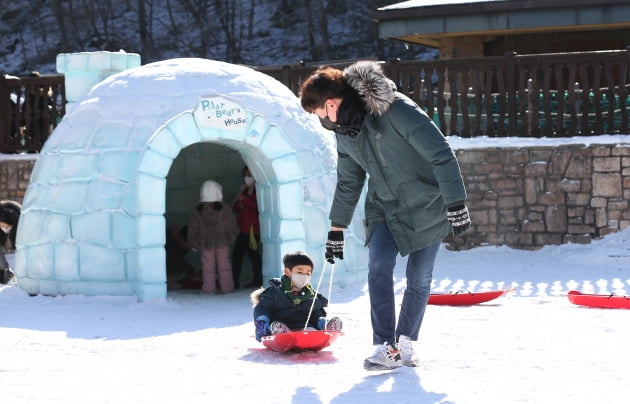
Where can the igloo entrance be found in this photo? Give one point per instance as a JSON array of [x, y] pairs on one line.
[[219, 154], [195, 164]]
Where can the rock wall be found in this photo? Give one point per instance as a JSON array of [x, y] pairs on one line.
[[14, 176], [530, 197]]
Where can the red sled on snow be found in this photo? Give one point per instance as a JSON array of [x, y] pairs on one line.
[[599, 301], [300, 340], [466, 298]]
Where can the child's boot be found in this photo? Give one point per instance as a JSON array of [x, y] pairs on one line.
[[226, 281], [278, 327], [334, 324], [208, 276]]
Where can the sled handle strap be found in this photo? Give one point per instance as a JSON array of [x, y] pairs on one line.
[[330, 283], [321, 276]]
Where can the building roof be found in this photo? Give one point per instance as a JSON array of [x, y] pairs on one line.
[[426, 21], [429, 3]]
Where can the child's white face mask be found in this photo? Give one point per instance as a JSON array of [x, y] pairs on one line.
[[249, 180], [300, 280]]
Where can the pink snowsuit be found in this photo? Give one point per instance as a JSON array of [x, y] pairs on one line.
[[211, 229]]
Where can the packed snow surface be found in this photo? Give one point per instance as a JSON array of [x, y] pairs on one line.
[[531, 346]]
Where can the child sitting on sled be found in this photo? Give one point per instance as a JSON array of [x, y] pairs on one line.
[[285, 304]]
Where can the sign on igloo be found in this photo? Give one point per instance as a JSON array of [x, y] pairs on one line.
[[219, 112]]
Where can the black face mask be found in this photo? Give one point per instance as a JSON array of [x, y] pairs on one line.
[[337, 128], [327, 123], [340, 129]]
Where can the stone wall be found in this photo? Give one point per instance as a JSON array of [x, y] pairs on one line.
[[530, 197], [520, 197], [15, 173]]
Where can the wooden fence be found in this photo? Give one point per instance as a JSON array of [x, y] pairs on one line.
[[30, 108], [543, 95], [550, 95]]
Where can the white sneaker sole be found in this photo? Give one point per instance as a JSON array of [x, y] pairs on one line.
[[371, 366]]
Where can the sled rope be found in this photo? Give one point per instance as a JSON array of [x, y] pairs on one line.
[[321, 277]]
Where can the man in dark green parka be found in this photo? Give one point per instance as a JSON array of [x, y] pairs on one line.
[[415, 194]]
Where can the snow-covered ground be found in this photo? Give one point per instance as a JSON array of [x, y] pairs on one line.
[[532, 346]]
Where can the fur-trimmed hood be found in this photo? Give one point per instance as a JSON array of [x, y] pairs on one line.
[[255, 295], [375, 89]]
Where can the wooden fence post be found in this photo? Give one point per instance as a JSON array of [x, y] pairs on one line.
[[5, 117], [510, 78]]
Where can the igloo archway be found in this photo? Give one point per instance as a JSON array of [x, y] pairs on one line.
[[94, 214]]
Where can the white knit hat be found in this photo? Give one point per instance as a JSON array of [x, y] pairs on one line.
[[211, 191]]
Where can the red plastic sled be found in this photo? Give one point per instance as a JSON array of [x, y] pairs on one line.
[[599, 301], [300, 340], [465, 298]]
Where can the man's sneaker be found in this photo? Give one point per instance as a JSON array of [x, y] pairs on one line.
[[407, 355], [278, 327], [334, 324], [385, 357]]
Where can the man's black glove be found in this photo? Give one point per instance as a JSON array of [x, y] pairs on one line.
[[334, 246], [459, 218]]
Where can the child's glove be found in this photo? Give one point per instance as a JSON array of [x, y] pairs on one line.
[[321, 323], [459, 218], [262, 327]]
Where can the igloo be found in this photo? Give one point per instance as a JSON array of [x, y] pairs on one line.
[[128, 159]]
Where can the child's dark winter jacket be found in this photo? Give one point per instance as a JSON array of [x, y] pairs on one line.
[[274, 303]]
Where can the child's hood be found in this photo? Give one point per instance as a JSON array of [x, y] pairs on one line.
[[211, 191], [255, 295]]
